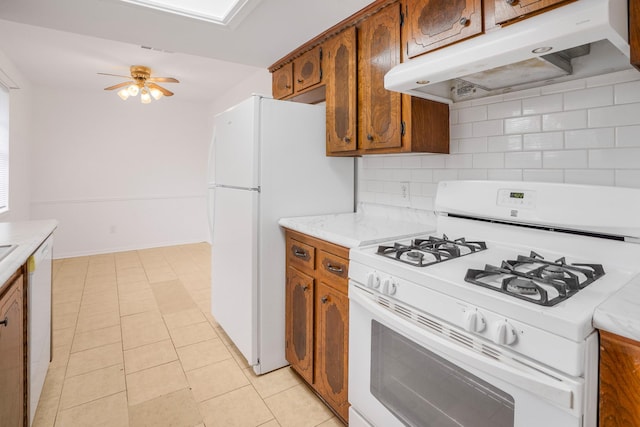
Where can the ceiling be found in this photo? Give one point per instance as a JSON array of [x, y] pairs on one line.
[[64, 43]]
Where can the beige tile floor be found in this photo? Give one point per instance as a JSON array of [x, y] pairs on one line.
[[135, 345]]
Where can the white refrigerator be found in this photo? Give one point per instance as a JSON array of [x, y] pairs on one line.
[[267, 161]]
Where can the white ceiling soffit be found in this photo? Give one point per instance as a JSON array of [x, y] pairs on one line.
[[227, 13]]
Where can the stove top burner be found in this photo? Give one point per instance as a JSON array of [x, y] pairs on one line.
[[535, 279], [424, 252]]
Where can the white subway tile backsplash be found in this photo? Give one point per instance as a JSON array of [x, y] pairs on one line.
[[472, 174], [564, 121], [628, 136], [589, 138], [563, 87], [626, 93], [588, 98], [523, 124], [463, 130], [542, 104], [619, 158], [505, 174], [618, 115], [559, 133], [472, 145], [543, 175], [434, 161], [488, 161], [487, 128], [458, 161], [472, 114], [543, 141], [569, 159], [504, 143], [523, 160], [590, 177], [504, 109], [422, 175], [445, 175], [628, 178]]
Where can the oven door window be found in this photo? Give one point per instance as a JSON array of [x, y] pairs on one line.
[[422, 389]]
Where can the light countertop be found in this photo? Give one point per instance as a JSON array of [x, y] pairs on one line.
[[28, 235], [370, 224], [620, 314]]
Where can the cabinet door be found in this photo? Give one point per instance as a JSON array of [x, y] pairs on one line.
[[430, 24], [282, 81], [12, 361], [340, 58], [619, 381], [299, 323], [378, 51], [506, 10], [332, 347], [306, 69]]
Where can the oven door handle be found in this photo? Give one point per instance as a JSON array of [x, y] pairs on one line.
[[552, 389]]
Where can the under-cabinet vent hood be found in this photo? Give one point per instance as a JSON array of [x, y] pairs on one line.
[[581, 39]]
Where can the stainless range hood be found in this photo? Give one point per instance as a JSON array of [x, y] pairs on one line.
[[582, 39]]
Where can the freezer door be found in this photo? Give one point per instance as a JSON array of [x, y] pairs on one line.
[[236, 146], [234, 278]]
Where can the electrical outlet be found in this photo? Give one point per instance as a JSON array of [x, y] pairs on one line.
[[404, 190]]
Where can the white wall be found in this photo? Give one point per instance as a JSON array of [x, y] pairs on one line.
[[258, 83], [586, 132], [116, 174], [20, 124]]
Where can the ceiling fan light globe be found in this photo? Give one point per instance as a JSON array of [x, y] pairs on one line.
[[156, 94], [123, 93], [145, 98], [133, 90]]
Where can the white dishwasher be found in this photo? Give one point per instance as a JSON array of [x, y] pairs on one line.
[[39, 316]]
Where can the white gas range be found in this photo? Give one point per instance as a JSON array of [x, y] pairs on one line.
[[487, 320]]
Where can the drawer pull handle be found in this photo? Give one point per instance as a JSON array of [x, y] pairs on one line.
[[324, 299], [300, 253], [334, 269], [5, 322]]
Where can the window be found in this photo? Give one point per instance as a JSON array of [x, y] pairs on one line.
[[4, 149]]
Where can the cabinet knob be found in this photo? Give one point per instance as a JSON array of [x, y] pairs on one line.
[[370, 137], [305, 288], [287, 86], [464, 21], [300, 80], [346, 139], [324, 299], [511, 2], [5, 322]]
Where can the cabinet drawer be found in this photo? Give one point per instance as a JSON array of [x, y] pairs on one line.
[[333, 270], [301, 255]]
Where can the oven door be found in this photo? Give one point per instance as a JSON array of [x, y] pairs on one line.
[[402, 374]]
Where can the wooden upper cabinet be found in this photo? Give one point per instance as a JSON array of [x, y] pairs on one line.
[[430, 24], [507, 10], [306, 69], [634, 32], [380, 123], [619, 381], [282, 81], [340, 59]]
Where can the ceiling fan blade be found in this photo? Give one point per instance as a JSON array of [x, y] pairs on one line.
[[115, 75], [163, 79], [164, 91], [119, 85]]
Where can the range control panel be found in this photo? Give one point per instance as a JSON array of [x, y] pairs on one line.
[[519, 199]]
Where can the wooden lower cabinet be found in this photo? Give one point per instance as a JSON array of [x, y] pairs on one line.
[[317, 317], [619, 381], [13, 366]]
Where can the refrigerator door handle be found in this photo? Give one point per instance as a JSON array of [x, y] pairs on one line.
[[235, 187], [211, 200]]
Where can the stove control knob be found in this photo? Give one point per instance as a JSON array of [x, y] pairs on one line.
[[373, 280], [389, 286], [505, 333], [474, 321]]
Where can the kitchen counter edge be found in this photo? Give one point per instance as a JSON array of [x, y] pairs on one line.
[[620, 313], [28, 235]]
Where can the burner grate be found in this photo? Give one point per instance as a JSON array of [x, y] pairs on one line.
[[433, 250]]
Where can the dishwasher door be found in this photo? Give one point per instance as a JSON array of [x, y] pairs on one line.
[[39, 320]]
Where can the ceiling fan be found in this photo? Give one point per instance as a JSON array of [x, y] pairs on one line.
[[141, 82]]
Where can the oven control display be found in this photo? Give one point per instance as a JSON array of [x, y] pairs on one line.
[[525, 199]]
